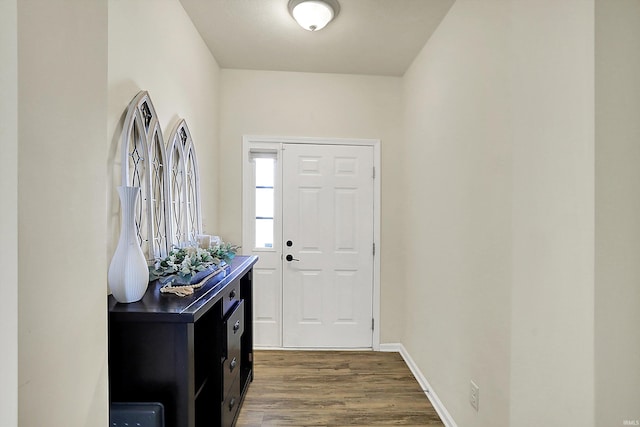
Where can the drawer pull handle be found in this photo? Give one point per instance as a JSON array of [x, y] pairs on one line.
[[232, 403], [236, 326], [233, 364], [232, 294]]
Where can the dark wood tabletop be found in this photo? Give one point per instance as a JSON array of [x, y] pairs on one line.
[[158, 307]]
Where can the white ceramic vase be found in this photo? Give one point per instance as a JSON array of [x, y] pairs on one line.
[[128, 272]]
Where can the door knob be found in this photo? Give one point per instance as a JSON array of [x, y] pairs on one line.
[[290, 258]]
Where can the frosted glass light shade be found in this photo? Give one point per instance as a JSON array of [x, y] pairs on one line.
[[313, 15]]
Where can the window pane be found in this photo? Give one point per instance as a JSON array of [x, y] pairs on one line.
[[265, 178], [264, 233], [264, 202], [265, 168]]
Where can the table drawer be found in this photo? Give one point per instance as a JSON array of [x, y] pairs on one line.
[[230, 370], [233, 329], [231, 404], [231, 297]]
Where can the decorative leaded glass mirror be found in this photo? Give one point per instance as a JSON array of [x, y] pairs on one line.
[[184, 186], [168, 211]]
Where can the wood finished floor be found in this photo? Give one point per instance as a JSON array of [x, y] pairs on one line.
[[334, 388]]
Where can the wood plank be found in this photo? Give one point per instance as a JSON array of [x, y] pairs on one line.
[[334, 388]]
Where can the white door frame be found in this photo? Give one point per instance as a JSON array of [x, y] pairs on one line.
[[253, 141]]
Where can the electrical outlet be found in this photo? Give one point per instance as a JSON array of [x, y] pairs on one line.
[[474, 395]]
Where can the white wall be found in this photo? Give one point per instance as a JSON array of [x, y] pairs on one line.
[[617, 211], [62, 105], [65, 91], [457, 163], [317, 105], [500, 236], [9, 212], [154, 46], [552, 82]]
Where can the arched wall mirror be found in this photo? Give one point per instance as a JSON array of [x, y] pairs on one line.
[[184, 186], [168, 211]]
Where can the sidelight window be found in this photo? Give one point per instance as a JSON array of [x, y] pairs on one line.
[[264, 201]]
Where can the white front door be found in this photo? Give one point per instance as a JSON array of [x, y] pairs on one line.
[[322, 217], [328, 245]]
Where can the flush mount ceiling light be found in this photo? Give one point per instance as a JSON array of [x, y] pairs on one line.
[[313, 15]]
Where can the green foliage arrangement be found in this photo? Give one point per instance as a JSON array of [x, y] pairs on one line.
[[185, 265]]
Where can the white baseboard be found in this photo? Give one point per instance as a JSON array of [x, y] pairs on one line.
[[446, 418]]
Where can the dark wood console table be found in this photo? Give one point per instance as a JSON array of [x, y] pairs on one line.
[[193, 354]]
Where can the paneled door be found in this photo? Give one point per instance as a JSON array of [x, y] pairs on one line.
[[327, 245]]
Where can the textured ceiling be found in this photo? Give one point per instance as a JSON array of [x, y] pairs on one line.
[[377, 37]]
